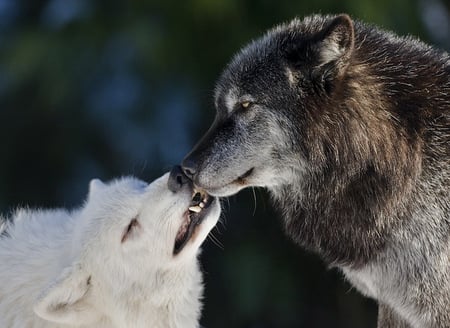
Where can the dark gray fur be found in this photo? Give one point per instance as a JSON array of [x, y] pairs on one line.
[[348, 128]]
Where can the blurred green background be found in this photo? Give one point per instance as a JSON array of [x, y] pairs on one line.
[[99, 89]]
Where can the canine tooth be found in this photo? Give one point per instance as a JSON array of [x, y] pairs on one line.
[[202, 205], [195, 209]]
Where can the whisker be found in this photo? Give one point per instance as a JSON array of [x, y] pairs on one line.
[[217, 227], [228, 203], [254, 204], [223, 220], [215, 240]]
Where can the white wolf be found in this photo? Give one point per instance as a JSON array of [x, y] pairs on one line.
[[127, 258]]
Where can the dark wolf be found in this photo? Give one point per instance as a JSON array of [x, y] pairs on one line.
[[347, 126]]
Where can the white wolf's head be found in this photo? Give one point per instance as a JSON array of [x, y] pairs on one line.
[[126, 238]]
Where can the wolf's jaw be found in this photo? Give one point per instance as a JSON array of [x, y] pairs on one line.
[[200, 200], [192, 218], [227, 190], [242, 179], [232, 187]]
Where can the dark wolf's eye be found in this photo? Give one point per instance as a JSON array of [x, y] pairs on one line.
[[246, 104]]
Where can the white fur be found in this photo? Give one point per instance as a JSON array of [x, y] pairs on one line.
[[76, 269]]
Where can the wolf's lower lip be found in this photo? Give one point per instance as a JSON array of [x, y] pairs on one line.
[[195, 215], [242, 178]]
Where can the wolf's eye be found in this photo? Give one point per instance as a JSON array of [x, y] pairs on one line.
[[246, 104], [130, 229]]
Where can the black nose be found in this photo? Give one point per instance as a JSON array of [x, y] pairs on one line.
[[189, 167], [177, 179]]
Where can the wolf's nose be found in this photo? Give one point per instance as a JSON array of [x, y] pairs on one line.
[[189, 168], [177, 179]]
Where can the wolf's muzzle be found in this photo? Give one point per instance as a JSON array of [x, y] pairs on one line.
[[189, 167], [178, 179]]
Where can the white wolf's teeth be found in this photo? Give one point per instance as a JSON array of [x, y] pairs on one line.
[[195, 209], [202, 205]]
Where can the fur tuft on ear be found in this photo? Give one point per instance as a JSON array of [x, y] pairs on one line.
[[337, 40], [325, 54], [64, 302]]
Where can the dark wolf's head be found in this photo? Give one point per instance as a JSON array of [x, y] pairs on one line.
[[338, 119], [333, 117], [264, 100]]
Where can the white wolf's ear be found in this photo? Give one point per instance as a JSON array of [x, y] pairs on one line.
[[94, 186], [64, 302]]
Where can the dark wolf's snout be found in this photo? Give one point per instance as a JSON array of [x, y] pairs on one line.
[[192, 163], [189, 166], [177, 179]]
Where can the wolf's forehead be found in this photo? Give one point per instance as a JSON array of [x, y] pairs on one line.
[[226, 96], [231, 97], [250, 71]]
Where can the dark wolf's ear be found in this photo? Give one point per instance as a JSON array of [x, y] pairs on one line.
[[335, 42], [326, 53]]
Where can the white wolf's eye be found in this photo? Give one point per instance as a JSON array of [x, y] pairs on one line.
[[130, 229]]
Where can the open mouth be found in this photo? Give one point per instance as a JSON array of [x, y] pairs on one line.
[[243, 177], [193, 217]]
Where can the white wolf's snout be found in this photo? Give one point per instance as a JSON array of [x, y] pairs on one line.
[[112, 262]]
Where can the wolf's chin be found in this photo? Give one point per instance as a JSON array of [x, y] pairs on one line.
[[233, 187], [225, 191]]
